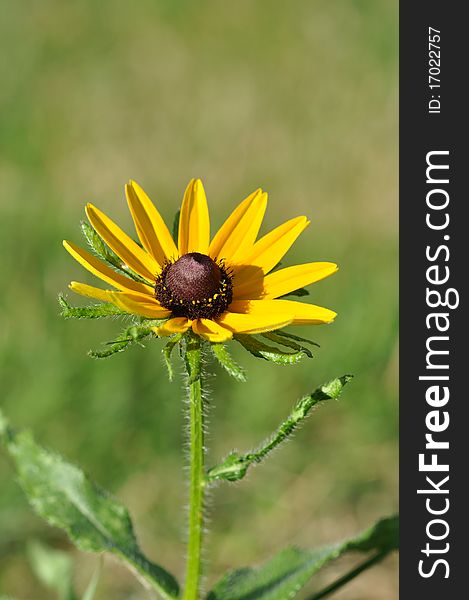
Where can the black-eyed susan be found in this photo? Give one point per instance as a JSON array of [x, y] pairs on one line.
[[217, 287]]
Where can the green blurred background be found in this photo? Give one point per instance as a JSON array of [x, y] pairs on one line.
[[299, 98]]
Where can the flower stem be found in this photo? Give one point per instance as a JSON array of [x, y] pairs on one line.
[[196, 495]]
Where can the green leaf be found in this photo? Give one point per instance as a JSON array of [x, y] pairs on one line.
[[61, 494], [287, 572], [235, 465], [226, 361], [53, 568], [167, 351], [129, 336], [270, 353], [386, 540], [88, 312], [382, 536]]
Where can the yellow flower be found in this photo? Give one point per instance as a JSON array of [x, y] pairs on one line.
[[217, 287]]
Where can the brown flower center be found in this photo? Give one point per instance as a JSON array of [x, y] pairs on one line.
[[194, 286]]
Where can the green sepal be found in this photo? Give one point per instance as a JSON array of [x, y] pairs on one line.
[[98, 246], [299, 293], [235, 465], [297, 338], [96, 311], [270, 353], [283, 341], [233, 468], [167, 351], [152, 322], [65, 497], [177, 216], [277, 267], [226, 361], [102, 251], [291, 569], [132, 335]]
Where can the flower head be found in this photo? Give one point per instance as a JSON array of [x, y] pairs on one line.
[[216, 287]]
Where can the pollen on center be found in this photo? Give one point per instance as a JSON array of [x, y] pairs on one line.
[[195, 286]]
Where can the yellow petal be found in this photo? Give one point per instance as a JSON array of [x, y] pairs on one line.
[[90, 291], [285, 281], [134, 257], [254, 323], [211, 331], [194, 220], [249, 284], [139, 304], [301, 313], [175, 325], [151, 229], [101, 270], [239, 231], [268, 251]]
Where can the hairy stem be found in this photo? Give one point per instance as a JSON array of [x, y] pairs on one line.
[[196, 493], [235, 466]]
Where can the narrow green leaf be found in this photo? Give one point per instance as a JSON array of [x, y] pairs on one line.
[[53, 568], [226, 361], [104, 252], [176, 227], [282, 341], [270, 353], [167, 351], [62, 494], [144, 322], [114, 348], [299, 293], [297, 338], [235, 466], [287, 572], [88, 312], [98, 246], [129, 336]]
